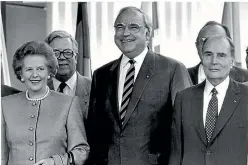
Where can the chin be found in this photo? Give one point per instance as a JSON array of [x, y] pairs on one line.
[[126, 51], [63, 73], [36, 89]]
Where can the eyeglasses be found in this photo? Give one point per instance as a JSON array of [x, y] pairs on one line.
[[67, 53], [201, 40], [132, 28]]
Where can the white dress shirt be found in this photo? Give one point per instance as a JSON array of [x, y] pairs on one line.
[[70, 87], [221, 89], [201, 74], [124, 66]]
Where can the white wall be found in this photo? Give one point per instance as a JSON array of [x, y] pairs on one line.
[[22, 24], [243, 30]]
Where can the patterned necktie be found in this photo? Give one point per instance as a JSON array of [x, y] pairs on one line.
[[212, 114], [62, 86], [127, 90]]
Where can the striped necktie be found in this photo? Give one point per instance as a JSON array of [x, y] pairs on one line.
[[212, 114], [127, 90], [62, 86]]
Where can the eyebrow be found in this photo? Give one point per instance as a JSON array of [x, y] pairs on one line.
[[221, 53], [208, 52], [119, 24]]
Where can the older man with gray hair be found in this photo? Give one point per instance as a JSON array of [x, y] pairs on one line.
[[131, 98], [68, 80], [210, 119], [210, 29]]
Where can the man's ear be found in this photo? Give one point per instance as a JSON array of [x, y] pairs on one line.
[[76, 57], [232, 63], [148, 35]]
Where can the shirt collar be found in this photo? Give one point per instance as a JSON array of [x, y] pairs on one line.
[[71, 83], [138, 59], [221, 88]]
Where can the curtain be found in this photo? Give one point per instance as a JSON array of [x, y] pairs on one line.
[[83, 39], [231, 19], [4, 61]]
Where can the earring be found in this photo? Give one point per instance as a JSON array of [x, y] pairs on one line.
[[22, 80], [48, 77]]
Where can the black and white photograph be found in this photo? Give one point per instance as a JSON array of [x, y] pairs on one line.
[[124, 82]]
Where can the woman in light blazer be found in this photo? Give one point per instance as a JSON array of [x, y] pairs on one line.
[[40, 126]]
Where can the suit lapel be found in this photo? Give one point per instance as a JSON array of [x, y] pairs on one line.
[[113, 89], [229, 105], [79, 90], [80, 86], [145, 74], [197, 108]]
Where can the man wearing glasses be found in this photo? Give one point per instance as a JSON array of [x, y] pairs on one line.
[[68, 80], [131, 98], [211, 29]]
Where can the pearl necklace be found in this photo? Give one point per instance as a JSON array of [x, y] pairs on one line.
[[38, 99]]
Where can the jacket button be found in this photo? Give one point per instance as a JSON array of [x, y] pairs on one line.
[[34, 103], [31, 129], [31, 159], [30, 143], [208, 152], [32, 116]]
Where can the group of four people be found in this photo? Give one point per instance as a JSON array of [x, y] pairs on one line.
[[138, 110]]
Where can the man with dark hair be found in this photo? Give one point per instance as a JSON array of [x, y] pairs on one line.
[[131, 98], [210, 29], [209, 124], [67, 80]]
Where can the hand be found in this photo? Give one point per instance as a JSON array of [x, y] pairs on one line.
[[48, 161]]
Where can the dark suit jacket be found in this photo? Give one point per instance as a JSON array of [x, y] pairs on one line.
[[189, 142], [7, 90], [144, 137], [82, 91], [236, 73]]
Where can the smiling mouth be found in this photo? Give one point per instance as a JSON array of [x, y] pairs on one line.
[[214, 70], [63, 65], [35, 81], [126, 41]]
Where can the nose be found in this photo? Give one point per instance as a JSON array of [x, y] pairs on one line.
[[214, 59], [35, 74], [61, 57], [126, 31]]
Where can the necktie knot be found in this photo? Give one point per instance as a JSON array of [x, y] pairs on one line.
[[214, 92], [62, 86], [132, 61]]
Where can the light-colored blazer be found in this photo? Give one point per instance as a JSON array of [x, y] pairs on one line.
[[82, 91], [32, 131]]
